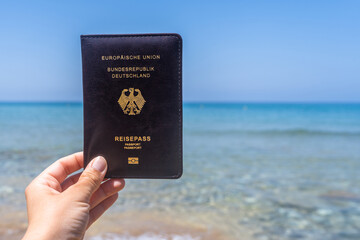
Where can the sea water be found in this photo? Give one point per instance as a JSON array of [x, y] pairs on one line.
[[267, 171]]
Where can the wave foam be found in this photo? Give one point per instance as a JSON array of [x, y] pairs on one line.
[[145, 236]]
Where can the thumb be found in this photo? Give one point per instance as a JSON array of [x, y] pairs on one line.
[[91, 178]]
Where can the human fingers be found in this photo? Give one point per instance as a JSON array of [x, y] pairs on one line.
[[72, 180], [96, 212], [105, 190], [63, 167], [90, 179]]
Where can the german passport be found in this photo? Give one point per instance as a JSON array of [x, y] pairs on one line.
[[132, 100]]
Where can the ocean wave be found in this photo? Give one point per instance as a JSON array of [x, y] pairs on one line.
[[280, 132], [145, 236]]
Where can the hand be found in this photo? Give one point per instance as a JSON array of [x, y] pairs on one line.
[[64, 208]]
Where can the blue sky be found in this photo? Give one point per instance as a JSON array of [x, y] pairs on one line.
[[269, 51]]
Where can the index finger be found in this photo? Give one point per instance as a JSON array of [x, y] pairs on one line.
[[64, 167]]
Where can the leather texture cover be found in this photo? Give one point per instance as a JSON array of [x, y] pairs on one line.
[[132, 92]]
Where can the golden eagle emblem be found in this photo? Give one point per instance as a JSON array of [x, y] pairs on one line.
[[131, 101]]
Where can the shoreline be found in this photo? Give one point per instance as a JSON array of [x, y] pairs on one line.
[[117, 225]]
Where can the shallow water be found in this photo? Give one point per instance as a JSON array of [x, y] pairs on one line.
[[259, 171]]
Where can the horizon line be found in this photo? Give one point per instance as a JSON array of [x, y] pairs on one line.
[[191, 102]]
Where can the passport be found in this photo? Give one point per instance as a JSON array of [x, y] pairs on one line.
[[132, 103]]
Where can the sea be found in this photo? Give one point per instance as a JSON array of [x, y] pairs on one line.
[[266, 171]]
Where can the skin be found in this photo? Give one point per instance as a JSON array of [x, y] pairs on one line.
[[62, 207]]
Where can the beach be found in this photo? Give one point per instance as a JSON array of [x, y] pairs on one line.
[[251, 171]]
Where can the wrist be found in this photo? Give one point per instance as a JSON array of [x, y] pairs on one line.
[[37, 234]]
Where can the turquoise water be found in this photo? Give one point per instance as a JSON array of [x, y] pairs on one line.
[[283, 171]]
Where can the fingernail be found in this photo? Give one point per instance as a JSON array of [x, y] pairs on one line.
[[118, 183], [99, 163]]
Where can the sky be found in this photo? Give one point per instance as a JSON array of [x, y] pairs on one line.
[[233, 51]]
